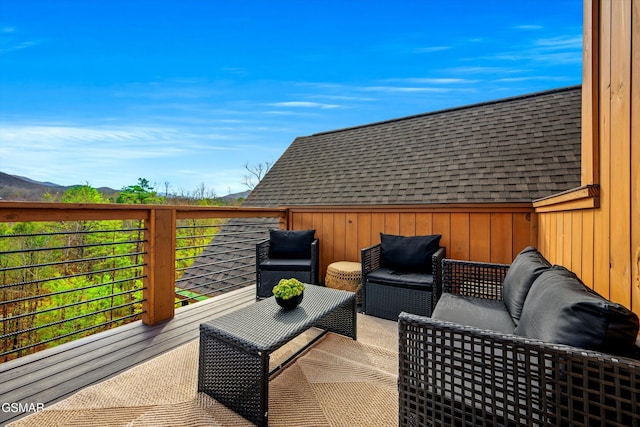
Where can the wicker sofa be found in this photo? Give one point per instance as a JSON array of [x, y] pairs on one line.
[[483, 366]]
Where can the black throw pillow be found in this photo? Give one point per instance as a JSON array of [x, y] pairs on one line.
[[408, 253], [561, 309], [290, 244]]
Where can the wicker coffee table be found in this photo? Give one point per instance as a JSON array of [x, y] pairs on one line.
[[235, 348]]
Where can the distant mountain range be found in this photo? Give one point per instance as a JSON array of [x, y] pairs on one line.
[[23, 189], [20, 188]]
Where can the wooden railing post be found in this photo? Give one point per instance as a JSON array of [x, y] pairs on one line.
[[159, 290], [283, 221]]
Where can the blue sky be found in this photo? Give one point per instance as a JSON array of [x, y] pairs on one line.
[[186, 92]]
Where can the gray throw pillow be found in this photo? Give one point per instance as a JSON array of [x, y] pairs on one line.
[[524, 270], [561, 309]]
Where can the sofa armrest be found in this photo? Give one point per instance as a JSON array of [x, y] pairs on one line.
[[262, 251], [454, 374], [436, 269], [370, 260], [476, 279], [315, 260]]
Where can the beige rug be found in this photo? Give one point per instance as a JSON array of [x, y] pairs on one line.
[[338, 382]]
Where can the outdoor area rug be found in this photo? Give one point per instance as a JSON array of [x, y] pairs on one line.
[[338, 382]]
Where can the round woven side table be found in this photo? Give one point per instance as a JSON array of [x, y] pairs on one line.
[[345, 275]]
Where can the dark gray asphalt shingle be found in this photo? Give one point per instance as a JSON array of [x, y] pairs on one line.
[[512, 150]]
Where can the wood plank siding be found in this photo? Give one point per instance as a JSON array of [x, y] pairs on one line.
[[602, 243], [490, 233]]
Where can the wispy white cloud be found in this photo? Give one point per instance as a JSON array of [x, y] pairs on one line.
[[291, 113], [79, 153], [555, 50], [9, 45], [160, 91], [431, 49], [532, 78], [528, 27], [486, 70], [11, 40], [432, 81], [345, 98], [304, 104], [405, 89], [562, 42]]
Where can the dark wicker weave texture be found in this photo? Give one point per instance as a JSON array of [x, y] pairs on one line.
[[451, 374], [386, 301], [476, 279], [235, 348]]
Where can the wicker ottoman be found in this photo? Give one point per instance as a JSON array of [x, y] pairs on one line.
[[345, 275]]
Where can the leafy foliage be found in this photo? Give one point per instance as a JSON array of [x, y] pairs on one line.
[[288, 288], [63, 280], [141, 193]]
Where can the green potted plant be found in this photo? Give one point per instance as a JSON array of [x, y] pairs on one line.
[[288, 293]]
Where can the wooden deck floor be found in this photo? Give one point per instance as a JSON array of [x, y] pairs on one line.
[[54, 374]]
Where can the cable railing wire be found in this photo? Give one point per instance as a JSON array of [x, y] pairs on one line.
[[73, 261], [73, 232], [61, 248], [79, 331], [75, 304], [80, 274], [223, 236]]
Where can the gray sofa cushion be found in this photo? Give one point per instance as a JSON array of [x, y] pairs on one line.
[[524, 270], [278, 264], [478, 312], [419, 281], [561, 309], [408, 253]]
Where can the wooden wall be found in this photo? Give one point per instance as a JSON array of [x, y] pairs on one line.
[[602, 245], [491, 233]]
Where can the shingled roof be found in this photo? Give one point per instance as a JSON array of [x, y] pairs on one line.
[[511, 150]]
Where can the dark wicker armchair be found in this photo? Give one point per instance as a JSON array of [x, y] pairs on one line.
[[287, 254], [388, 290]]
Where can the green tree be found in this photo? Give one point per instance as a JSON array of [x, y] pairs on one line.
[[82, 194], [141, 193]]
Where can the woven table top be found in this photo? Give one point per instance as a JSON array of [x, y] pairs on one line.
[[345, 267], [265, 326]]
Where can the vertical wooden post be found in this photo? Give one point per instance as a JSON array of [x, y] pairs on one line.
[[285, 220], [635, 156], [159, 290], [591, 93]]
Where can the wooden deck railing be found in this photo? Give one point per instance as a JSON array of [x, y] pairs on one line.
[[172, 237], [130, 258]]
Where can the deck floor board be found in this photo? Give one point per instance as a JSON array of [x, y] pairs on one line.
[[51, 375]]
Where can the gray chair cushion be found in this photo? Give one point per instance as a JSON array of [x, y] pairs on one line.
[[477, 312], [277, 264], [291, 244], [408, 253], [561, 309], [418, 281], [524, 270]]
